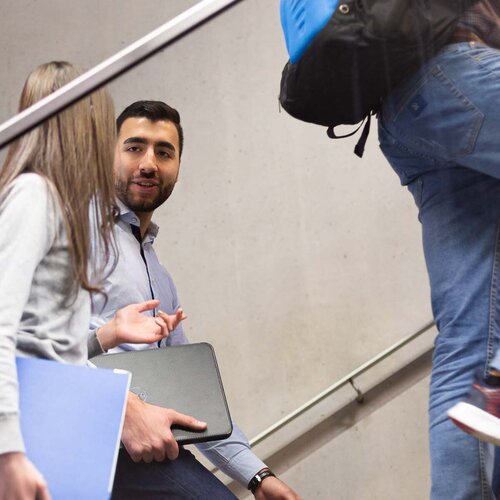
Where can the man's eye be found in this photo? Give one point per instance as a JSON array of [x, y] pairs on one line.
[[164, 154], [133, 149]]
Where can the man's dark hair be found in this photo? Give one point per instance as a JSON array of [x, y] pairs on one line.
[[154, 111]]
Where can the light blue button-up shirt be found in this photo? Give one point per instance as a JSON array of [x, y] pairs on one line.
[[137, 278]]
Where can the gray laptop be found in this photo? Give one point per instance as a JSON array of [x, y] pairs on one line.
[[185, 378]]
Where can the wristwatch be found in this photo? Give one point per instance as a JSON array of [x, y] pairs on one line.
[[258, 478]]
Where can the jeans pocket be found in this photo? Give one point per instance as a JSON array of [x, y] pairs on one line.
[[437, 119]]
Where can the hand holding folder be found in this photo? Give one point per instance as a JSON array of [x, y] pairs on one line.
[[71, 421]]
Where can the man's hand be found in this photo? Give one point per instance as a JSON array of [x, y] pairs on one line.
[[129, 325], [20, 480], [272, 488], [146, 431], [172, 320]]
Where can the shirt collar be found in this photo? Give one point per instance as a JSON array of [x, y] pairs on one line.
[[129, 216]]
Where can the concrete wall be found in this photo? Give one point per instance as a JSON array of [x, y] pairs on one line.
[[294, 258]]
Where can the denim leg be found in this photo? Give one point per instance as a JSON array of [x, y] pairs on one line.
[[181, 479], [440, 133], [460, 235]]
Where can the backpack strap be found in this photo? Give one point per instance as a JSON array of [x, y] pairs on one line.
[[360, 146]]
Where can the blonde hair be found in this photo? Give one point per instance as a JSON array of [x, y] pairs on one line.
[[73, 151]]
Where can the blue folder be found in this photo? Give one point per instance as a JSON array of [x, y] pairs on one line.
[[71, 421]]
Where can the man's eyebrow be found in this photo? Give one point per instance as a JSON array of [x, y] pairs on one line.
[[136, 140], [165, 144], [142, 140]]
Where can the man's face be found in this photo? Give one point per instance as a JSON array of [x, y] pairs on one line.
[[146, 163]]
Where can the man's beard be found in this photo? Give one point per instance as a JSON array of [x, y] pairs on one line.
[[137, 204]]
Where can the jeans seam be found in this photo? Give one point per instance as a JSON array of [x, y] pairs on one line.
[[485, 487], [486, 53], [437, 162], [493, 298]]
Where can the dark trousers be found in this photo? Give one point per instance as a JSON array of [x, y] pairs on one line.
[[184, 478]]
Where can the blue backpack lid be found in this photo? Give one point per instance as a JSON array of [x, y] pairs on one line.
[[302, 20]]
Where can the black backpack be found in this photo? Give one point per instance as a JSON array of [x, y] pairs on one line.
[[365, 49]]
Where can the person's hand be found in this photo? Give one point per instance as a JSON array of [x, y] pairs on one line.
[[20, 479], [129, 325], [172, 320], [146, 430], [273, 488]]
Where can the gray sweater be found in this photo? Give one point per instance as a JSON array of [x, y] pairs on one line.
[[36, 319]]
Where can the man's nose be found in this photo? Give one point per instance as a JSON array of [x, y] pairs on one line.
[[148, 162]]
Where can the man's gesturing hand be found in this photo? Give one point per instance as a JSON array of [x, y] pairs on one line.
[[146, 431], [129, 325]]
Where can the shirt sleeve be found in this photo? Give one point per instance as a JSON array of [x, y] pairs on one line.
[[27, 235], [94, 347], [233, 456]]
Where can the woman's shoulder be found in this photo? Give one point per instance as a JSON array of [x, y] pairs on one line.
[[29, 181], [29, 199], [29, 188]]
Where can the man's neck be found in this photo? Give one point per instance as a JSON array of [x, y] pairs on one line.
[[145, 220]]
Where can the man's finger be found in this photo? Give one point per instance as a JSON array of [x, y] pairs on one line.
[[169, 322], [173, 320], [187, 421], [172, 449], [148, 305], [147, 456], [159, 455], [42, 491], [180, 315], [134, 453], [164, 328], [160, 322]]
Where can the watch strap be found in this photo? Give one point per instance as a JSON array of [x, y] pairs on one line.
[[258, 478]]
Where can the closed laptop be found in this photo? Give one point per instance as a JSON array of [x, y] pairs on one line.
[[184, 378]]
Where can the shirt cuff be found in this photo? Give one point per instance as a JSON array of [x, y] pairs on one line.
[[11, 439], [239, 463], [243, 467], [93, 344]]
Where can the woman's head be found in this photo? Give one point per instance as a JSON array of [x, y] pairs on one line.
[[73, 150]]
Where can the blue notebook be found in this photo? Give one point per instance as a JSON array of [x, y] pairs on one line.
[[71, 421]]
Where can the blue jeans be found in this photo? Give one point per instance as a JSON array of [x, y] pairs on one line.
[[440, 130], [181, 479]]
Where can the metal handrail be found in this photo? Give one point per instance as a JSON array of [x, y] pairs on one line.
[[112, 67], [348, 379]]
